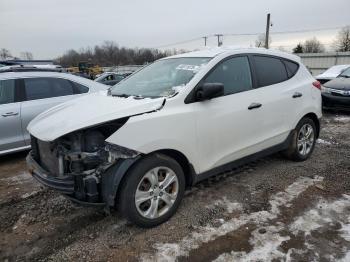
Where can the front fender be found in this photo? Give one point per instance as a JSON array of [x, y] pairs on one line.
[[112, 177]]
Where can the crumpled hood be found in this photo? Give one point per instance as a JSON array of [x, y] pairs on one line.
[[339, 83], [86, 111]]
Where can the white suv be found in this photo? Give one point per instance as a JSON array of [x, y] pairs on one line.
[[174, 123]]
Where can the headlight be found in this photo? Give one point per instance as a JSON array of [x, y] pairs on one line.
[[325, 90], [115, 152]]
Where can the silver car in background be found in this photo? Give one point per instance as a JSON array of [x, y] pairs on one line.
[[24, 95]]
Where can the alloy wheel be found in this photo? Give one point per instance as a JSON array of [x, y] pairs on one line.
[[306, 137], [156, 192]]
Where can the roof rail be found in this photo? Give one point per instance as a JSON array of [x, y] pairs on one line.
[[29, 69]]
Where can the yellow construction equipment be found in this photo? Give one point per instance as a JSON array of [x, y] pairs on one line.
[[86, 68]]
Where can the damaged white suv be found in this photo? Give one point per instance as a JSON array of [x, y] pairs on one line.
[[174, 123]]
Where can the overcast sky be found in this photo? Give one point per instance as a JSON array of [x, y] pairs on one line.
[[48, 28]]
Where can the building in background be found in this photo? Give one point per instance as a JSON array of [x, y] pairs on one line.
[[317, 63]]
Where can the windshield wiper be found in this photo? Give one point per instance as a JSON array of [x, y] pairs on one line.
[[121, 95]]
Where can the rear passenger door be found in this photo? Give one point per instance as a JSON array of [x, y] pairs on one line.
[[10, 116], [278, 93], [250, 117], [42, 93]]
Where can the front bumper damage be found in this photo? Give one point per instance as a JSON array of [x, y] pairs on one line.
[[93, 190]]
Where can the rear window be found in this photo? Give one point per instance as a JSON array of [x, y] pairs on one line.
[[291, 67], [269, 70], [80, 89]]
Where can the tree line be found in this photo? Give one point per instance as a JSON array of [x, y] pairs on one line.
[[313, 45], [110, 54]]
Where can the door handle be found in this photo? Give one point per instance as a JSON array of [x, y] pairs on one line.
[[297, 94], [254, 106], [9, 114]]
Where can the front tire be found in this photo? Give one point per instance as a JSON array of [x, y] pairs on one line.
[[303, 140], [152, 191]]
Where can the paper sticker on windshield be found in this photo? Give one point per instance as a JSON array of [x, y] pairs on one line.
[[194, 68]]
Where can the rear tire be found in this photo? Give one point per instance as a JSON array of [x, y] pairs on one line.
[[303, 140], [152, 191]]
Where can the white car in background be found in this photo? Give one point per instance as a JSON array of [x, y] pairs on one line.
[[24, 95], [331, 73], [172, 124]]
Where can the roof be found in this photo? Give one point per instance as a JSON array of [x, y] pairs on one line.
[[81, 80], [28, 68], [213, 52]]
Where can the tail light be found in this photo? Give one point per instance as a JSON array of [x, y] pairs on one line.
[[317, 84]]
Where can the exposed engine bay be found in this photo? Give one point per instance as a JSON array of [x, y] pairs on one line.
[[82, 156]]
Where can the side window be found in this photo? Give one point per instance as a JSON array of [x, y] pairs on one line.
[[119, 77], [45, 87], [234, 73], [37, 88], [269, 70], [7, 91], [80, 89], [61, 87], [110, 77], [291, 67]]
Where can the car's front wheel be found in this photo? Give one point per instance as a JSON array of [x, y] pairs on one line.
[[152, 190], [303, 140]]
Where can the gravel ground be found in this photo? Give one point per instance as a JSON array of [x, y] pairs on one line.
[[269, 210]]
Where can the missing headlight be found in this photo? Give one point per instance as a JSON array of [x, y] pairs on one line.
[[115, 152]]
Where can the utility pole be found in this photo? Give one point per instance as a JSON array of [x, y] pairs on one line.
[[219, 40], [205, 40], [267, 32]]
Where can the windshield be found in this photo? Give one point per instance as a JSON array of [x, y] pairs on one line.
[[345, 73], [160, 78], [102, 76]]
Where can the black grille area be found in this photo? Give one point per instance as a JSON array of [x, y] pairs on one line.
[[337, 94], [35, 149]]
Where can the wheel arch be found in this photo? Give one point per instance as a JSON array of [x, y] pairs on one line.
[[316, 120], [185, 164], [121, 174]]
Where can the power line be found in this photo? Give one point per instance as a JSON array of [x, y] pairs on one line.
[[181, 42], [250, 34]]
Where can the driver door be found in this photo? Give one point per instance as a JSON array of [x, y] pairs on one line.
[[227, 128]]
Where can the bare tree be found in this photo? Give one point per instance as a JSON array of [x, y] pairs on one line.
[[4, 53], [342, 42], [110, 54], [260, 41], [313, 45], [27, 55]]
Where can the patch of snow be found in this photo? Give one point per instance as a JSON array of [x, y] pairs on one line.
[[26, 195], [324, 142], [323, 214], [170, 251], [345, 230], [265, 247], [229, 205], [291, 251], [346, 258], [343, 119]]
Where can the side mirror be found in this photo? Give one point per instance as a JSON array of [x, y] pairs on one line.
[[209, 91]]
